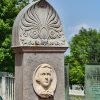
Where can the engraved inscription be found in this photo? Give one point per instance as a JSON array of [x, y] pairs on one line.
[[92, 81]]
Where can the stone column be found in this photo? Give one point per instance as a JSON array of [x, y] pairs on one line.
[[39, 45]]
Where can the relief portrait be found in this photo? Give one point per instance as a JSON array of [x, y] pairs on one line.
[[44, 80]]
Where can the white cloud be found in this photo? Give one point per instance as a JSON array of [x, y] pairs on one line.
[[75, 29], [71, 31]]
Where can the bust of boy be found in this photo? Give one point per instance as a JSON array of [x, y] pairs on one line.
[[44, 80]]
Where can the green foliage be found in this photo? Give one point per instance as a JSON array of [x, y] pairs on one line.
[[77, 75], [85, 48], [8, 11], [76, 70]]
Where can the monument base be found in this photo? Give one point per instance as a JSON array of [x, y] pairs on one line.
[[26, 63]]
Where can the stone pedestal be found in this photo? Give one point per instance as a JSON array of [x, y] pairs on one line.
[[25, 65], [39, 45]]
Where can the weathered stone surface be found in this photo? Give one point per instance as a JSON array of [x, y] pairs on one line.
[[92, 82], [24, 73], [38, 38], [38, 24]]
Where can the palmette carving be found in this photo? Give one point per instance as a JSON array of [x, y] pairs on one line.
[[41, 26]]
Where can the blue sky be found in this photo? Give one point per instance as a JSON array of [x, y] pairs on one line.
[[75, 14]]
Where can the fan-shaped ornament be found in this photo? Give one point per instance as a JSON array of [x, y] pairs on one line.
[[39, 25]]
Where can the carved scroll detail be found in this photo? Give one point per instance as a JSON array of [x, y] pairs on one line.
[[41, 26]]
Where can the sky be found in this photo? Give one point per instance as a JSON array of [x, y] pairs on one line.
[[75, 14]]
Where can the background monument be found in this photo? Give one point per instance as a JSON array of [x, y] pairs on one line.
[[39, 45], [92, 82]]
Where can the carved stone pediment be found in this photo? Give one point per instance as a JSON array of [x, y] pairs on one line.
[[38, 24]]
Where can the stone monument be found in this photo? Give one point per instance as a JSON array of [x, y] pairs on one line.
[[92, 82], [39, 45]]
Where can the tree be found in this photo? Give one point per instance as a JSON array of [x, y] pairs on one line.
[[76, 70], [8, 11], [85, 48]]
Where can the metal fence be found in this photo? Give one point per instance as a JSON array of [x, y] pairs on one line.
[[7, 86]]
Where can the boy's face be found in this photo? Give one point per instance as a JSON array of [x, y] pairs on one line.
[[45, 77]]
